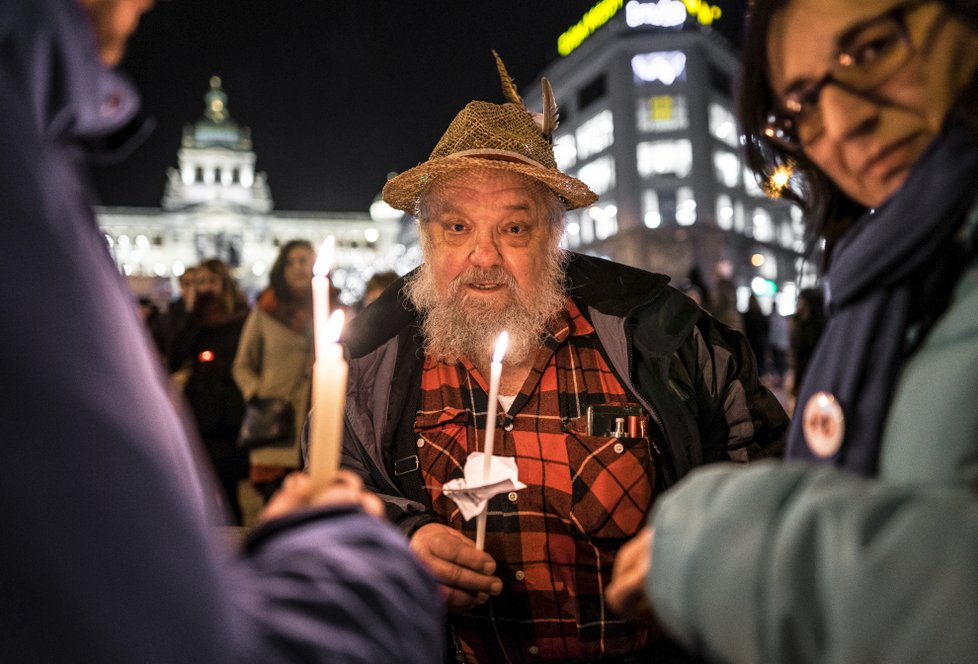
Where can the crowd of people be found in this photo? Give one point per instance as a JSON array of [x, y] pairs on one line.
[[654, 519]]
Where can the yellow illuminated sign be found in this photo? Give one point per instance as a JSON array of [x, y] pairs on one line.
[[595, 17], [604, 10]]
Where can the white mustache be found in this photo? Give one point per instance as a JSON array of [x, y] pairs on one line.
[[482, 277]]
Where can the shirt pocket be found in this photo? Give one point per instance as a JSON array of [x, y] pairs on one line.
[[442, 451], [612, 484]]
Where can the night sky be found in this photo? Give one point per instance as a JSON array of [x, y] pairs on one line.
[[336, 93]]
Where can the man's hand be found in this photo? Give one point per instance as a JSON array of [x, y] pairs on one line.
[[465, 573], [297, 492], [626, 592]]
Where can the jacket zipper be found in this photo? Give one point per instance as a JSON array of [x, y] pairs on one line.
[[669, 480]]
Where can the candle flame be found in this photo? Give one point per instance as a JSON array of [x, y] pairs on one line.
[[334, 326], [501, 343], [324, 259]]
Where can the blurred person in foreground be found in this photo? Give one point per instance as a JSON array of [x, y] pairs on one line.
[[203, 351], [868, 550], [275, 357], [111, 550], [586, 335]]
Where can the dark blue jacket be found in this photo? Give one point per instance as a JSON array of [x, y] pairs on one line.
[[109, 550]]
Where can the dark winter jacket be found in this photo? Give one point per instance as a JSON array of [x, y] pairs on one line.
[[695, 376]]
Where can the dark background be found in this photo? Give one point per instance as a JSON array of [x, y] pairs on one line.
[[336, 93]]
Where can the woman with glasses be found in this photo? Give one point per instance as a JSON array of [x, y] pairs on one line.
[[865, 549]]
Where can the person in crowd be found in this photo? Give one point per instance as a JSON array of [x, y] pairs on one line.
[[869, 551], [722, 302], [806, 327], [778, 343], [756, 328], [204, 350], [112, 552], [152, 319], [175, 318], [376, 285], [275, 357], [586, 337]]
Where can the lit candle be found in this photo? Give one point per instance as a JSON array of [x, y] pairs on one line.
[[495, 372], [320, 292], [328, 397]]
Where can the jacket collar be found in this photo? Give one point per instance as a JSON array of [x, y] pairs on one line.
[[608, 287]]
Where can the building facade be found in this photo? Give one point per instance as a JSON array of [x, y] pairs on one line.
[[215, 204], [647, 121]]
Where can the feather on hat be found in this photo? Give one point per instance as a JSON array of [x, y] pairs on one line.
[[499, 136]]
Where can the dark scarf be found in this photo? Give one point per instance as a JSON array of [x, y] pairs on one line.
[[891, 277], [294, 313]]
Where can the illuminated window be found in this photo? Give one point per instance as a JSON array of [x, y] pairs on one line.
[[565, 152], [798, 228], [572, 232], [599, 175], [665, 158], [722, 124], [595, 135], [750, 183], [605, 217], [650, 209], [685, 206], [662, 113], [663, 66], [725, 212], [763, 225], [726, 168], [587, 227]]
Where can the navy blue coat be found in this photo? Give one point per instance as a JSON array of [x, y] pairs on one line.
[[109, 551]]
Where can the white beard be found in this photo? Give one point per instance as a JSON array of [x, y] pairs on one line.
[[456, 326]]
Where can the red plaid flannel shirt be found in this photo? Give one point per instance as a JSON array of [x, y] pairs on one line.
[[555, 540]]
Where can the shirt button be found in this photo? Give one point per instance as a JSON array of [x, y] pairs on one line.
[[619, 448], [420, 442], [512, 496], [534, 650], [508, 427], [520, 575]]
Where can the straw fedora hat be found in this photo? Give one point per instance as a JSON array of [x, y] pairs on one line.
[[500, 136]]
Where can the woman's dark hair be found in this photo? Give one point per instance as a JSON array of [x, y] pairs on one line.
[[829, 211], [276, 278]]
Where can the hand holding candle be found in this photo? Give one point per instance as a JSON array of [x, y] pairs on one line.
[[495, 373]]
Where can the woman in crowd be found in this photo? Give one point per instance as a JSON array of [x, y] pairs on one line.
[[276, 354], [202, 353], [868, 552]]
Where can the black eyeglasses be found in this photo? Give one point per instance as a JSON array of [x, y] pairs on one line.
[[869, 53]]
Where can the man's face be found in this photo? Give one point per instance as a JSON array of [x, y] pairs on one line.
[[114, 22], [492, 263], [486, 231]]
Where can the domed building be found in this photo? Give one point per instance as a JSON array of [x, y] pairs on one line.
[[215, 204]]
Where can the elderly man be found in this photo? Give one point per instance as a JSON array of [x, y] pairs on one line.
[[591, 342]]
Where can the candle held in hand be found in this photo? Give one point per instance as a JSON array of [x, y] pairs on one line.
[[495, 373], [320, 291], [328, 396]]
